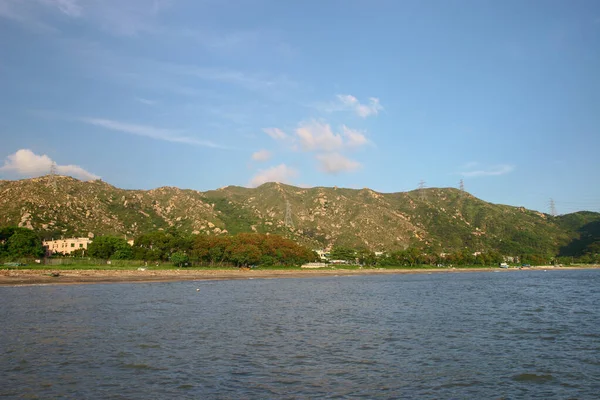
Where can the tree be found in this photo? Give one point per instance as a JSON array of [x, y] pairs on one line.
[[242, 254], [210, 249], [366, 257], [343, 253], [20, 243], [179, 259], [106, 247], [160, 245], [123, 252]]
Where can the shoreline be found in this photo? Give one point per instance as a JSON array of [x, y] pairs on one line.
[[44, 277]]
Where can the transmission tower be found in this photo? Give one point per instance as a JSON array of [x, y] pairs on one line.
[[462, 185], [422, 189], [289, 222], [552, 208], [52, 179]]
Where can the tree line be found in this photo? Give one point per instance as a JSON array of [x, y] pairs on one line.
[[243, 249], [246, 249], [414, 256]]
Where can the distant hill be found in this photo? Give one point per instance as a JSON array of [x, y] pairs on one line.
[[440, 219], [587, 238]]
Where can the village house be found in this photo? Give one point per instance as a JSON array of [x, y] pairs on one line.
[[65, 246], [323, 254]]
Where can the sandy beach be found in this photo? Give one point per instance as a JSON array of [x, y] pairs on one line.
[[49, 276]]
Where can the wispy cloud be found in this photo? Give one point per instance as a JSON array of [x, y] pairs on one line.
[[168, 135], [261, 155], [347, 102], [334, 163], [72, 8], [280, 173], [362, 110], [354, 138], [237, 40], [233, 77], [127, 18], [25, 163], [474, 170], [147, 102], [275, 133], [116, 17], [22, 13]]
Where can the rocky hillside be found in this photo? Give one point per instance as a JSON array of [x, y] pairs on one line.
[[441, 219]]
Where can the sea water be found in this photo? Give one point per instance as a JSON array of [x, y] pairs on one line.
[[521, 334]]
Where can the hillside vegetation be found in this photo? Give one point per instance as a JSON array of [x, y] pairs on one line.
[[437, 219]]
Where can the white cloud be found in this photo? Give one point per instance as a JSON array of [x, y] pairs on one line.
[[280, 173], [261, 155], [495, 170], [26, 163], [168, 135], [316, 136], [349, 102], [275, 133], [353, 137], [333, 163]]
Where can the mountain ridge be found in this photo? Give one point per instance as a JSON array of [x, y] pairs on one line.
[[439, 219]]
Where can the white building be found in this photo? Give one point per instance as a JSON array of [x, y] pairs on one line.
[[65, 246], [323, 254]]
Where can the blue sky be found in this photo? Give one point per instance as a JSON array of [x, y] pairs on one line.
[[203, 94]]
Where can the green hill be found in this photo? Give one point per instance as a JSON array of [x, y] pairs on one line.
[[440, 219]]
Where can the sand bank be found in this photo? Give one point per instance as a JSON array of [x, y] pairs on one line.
[[39, 276]]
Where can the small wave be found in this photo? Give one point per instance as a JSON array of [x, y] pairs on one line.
[[140, 366], [459, 384], [534, 378], [185, 386], [149, 346], [590, 335]]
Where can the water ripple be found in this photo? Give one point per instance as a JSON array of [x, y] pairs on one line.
[[476, 335]]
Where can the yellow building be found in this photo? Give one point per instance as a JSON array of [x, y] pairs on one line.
[[65, 246]]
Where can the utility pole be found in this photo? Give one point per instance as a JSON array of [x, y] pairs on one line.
[[552, 208], [289, 222]]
